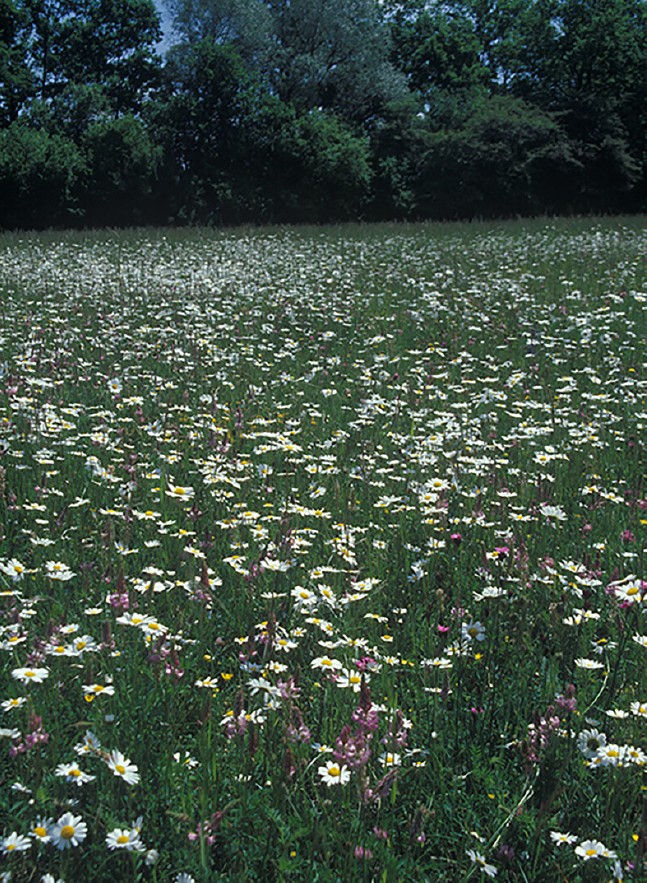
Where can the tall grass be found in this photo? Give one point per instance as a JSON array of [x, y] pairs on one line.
[[321, 553]]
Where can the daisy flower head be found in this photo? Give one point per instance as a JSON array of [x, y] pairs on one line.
[[30, 675], [390, 759], [555, 512], [68, 831], [98, 690], [590, 742], [9, 733], [180, 492], [473, 631], [592, 849], [351, 679], [326, 663], [10, 704], [559, 838], [334, 773], [631, 754], [122, 767], [124, 838], [478, 859], [589, 664], [14, 843], [84, 644], [90, 744], [610, 754], [40, 828], [72, 773], [13, 569], [58, 571], [631, 592]]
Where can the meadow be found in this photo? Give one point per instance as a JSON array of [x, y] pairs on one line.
[[321, 554]]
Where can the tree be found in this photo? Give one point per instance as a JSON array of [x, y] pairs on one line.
[[505, 158], [108, 43], [16, 81], [236, 152], [111, 43], [40, 176], [333, 54], [436, 49], [122, 164], [589, 70], [329, 54]]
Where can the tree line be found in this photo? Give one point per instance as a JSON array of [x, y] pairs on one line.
[[320, 110]]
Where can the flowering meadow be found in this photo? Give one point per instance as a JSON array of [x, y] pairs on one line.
[[321, 554]]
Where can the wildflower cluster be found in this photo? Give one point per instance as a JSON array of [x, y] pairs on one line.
[[322, 549]]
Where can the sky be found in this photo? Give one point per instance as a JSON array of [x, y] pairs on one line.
[[166, 25]]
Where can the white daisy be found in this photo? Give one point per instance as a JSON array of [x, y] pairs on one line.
[[124, 838], [559, 838], [589, 849], [122, 767], [72, 773], [68, 831], [334, 774], [14, 843], [30, 675]]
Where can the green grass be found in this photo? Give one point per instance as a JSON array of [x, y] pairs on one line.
[[411, 455]]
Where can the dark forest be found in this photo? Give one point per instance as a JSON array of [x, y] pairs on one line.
[[266, 111]]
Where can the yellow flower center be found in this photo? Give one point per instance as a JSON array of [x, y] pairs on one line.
[[10, 846], [30, 674], [334, 771], [75, 772], [40, 831], [121, 769], [99, 688], [591, 852], [123, 838], [178, 490], [67, 832]]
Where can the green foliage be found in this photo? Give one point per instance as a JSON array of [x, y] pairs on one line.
[[437, 50], [268, 110], [39, 176], [242, 472], [244, 154], [16, 78], [122, 164], [505, 157]]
